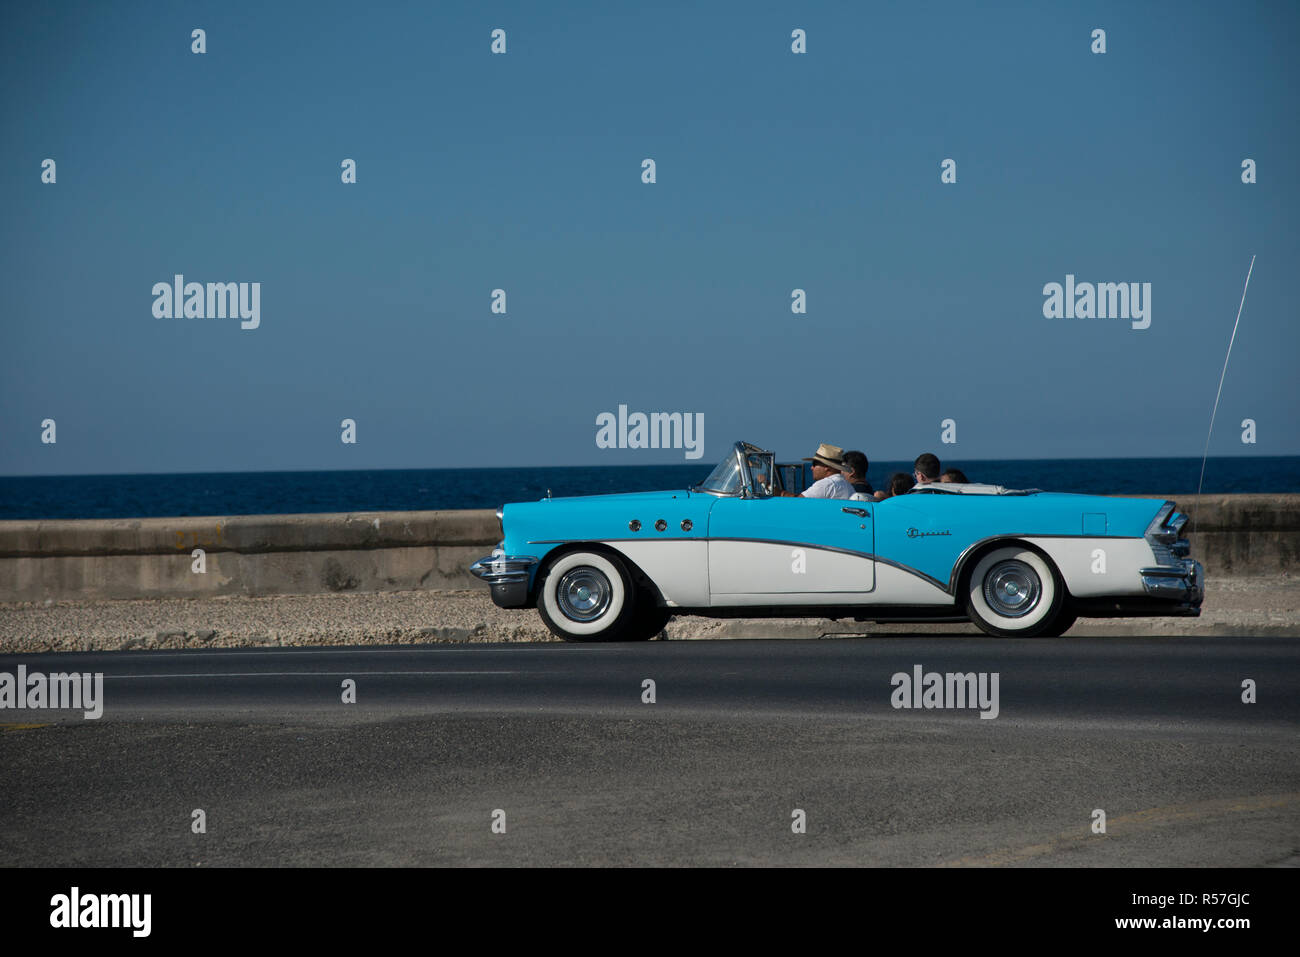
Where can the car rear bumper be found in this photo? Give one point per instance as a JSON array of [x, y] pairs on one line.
[[1183, 583], [1171, 590], [507, 577]]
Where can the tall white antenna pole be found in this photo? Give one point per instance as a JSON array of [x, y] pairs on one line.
[[1218, 394]]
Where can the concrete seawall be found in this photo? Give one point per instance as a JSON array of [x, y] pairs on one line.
[[244, 555], [1235, 536]]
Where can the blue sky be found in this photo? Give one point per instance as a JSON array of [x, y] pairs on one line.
[[522, 171]]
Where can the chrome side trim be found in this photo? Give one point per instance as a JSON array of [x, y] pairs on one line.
[[950, 587], [766, 541], [913, 571]]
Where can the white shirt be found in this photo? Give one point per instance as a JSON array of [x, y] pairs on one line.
[[832, 486]]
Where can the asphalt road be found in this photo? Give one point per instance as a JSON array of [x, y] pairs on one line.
[[742, 735]]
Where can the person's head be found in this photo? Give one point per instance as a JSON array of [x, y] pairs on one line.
[[856, 463], [828, 460], [953, 475], [926, 468], [900, 483]]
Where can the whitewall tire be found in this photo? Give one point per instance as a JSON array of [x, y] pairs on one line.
[[587, 596], [1014, 592]]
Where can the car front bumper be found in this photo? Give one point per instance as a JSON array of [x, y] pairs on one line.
[[507, 577]]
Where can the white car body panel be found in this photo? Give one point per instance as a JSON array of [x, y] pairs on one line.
[[680, 568], [1075, 559], [785, 573]]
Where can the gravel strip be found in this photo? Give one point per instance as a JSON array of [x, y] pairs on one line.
[[1256, 606]]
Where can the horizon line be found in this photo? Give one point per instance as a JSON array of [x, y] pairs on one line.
[[699, 463]]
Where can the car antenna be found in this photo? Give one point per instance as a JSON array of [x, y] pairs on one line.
[[1217, 395]]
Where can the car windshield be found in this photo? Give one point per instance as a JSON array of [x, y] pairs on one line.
[[732, 477], [725, 479]]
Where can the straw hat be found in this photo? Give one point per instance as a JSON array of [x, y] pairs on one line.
[[831, 455]]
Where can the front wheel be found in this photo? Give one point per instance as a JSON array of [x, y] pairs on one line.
[[589, 596], [1013, 592]]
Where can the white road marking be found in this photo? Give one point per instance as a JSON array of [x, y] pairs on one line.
[[305, 674], [266, 653]]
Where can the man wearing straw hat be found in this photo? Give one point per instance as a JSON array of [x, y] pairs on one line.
[[828, 474]]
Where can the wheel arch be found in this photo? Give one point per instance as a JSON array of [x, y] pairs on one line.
[[970, 558], [640, 580]]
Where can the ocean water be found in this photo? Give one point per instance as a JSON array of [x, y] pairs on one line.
[[263, 493]]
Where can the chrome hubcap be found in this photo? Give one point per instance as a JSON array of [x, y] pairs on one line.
[[583, 593], [1012, 588]]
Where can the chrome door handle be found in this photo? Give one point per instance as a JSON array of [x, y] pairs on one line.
[[860, 512]]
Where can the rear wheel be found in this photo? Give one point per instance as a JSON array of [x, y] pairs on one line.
[[1014, 592], [1064, 622], [589, 596], [650, 620]]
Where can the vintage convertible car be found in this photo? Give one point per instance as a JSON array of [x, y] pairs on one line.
[[1016, 563]]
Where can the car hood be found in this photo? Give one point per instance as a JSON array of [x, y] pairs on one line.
[[604, 518], [613, 497]]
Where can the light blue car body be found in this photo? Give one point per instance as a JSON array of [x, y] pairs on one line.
[[1011, 561], [536, 528]]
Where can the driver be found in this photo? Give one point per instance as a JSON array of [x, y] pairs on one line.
[[828, 474]]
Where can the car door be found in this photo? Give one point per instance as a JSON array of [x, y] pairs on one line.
[[790, 550]]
